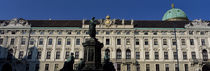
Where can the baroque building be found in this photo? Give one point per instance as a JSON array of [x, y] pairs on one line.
[[133, 45]]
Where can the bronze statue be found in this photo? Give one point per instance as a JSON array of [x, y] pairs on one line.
[[92, 28], [68, 65]]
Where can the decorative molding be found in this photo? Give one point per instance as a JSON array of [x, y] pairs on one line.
[[15, 23], [198, 24]]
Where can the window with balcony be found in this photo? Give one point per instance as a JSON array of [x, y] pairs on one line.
[[118, 54], [128, 54]]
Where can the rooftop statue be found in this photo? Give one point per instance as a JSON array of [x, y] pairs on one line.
[[92, 28]]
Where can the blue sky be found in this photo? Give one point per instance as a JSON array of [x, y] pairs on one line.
[[85, 9]]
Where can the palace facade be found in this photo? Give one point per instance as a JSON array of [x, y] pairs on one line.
[[133, 45]]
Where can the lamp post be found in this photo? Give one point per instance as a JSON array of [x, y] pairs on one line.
[[176, 45]]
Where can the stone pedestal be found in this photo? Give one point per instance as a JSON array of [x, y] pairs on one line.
[[92, 55]]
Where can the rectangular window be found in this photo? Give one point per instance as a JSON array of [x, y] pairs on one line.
[[127, 41], [174, 41], [190, 32], [48, 55], [23, 41], [39, 54], [76, 55], [156, 55], [176, 67], [166, 55], [46, 67], [183, 41], [166, 67], [202, 33], [155, 42], [50, 41], [203, 42], [184, 55], [41, 41], [12, 42], [1, 41], [118, 67], [147, 67], [68, 42], [58, 55], [175, 55], [193, 55], [128, 67], [137, 41], [164, 42], [191, 42], [155, 33], [157, 67], [67, 54], [77, 41], [147, 55], [137, 55], [137, 67], [145, 33], [20, 55], [118, 41], [107, 41], [186, 67], [146, 42], [56, 67], [59, 41]]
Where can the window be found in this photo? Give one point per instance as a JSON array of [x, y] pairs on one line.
[[59, 32], [137, 67], [38, 56], [50, 41], [128, 54], [137, 55], [118, 67], [190, 32], [1, 41], [137, 41], [67, 54], [78, 32], [155, 33], [33, 32], [56, 67], [147, 55], [166, 67], [186, 67], [68, 33], [156, 55], [30, 53], [41, 32], [41, 41], [157, 67], [183, 41], [107, 32], [146, 42], [46, 67], [193, 55], [107, 51], [32, 41], [107, 41], [155, 42], [205, 55], [127, 41], [13, 32], [202, 33], [145, 33], [184, 55], [77, 41], [37, 67], [164, 42], [59, 41], [202, 41], [20, 55], [147, 67], [118, 54], [128, 67], [118, 41], [12, 42], [76, 55], [68, 42], [176, 67], [174, 41], [127, 33], [1, 31], [166, 55], [136, 33], [50, 32], [175, 55], [58, 55], [23, 41], [48, 54], [191, 42]]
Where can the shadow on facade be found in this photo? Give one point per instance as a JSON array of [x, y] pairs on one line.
[[8, 62]]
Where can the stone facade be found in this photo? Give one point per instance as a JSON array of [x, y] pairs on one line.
[[130, 48]]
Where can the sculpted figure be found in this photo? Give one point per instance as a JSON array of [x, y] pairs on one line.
[[92, 28], [68, 65]]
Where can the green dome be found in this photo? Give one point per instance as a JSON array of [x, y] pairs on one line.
[[174, 13]]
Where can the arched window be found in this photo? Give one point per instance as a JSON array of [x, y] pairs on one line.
[[128, 54], [59, 41], [107, 51], [118, 54], [68, 41], [50, 41], [205, 55], [32, 41], [41, 41]]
